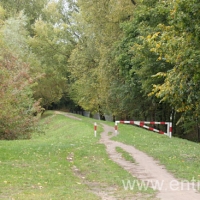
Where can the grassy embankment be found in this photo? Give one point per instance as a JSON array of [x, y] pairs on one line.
[[63, 161]]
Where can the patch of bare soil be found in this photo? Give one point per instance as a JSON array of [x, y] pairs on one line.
[[68, 115], [149, 171]]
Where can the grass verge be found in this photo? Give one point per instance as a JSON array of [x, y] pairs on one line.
[[125, 155]]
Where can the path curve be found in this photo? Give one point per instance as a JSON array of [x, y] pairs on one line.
[[147, 169], [70, 115]]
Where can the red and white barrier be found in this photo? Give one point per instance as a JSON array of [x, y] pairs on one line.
[[142, 124], [95, 129]]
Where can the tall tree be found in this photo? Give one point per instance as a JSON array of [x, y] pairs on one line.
[[137, 63], [31, 8], [178, 44], [53, 42], [99, 22], [16, 80]]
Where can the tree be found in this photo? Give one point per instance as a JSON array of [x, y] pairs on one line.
[[99, 29], [52, 43], [178, 44], [138, 64], [16, 80], [31, 8]]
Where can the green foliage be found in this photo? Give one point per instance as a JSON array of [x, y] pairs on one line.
[[38, 47], [138, 64], [178, 45], [15, 35], [16, 104], [159, 54], [50, 88], [52, 44], [99, 29], [31, 8]]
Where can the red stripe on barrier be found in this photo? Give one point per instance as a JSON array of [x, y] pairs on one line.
[[151, 129], [161, 132], [162, 123], [141, 123]]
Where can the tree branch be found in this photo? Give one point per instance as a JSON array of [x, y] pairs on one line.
[[133, 1]]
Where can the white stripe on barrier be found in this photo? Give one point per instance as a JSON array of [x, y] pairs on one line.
[[142, 124]]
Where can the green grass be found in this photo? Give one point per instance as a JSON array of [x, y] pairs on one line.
[[181, 157], [125, 155], [63, 161]]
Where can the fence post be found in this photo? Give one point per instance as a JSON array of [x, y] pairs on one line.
[[95, 129], [116, 127]]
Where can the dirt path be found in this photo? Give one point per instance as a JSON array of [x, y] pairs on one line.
[[70, 115], [149, 170]]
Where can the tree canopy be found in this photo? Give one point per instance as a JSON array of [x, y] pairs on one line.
[[127, 58]]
